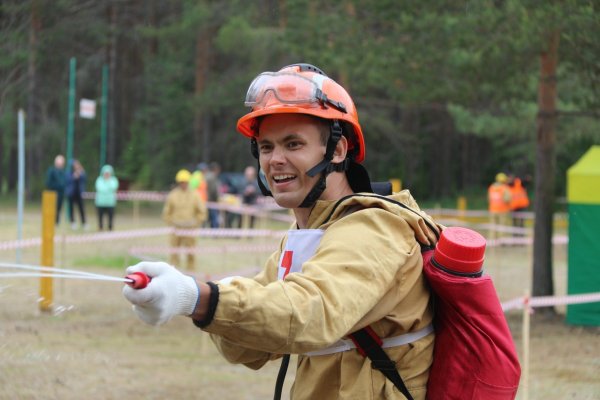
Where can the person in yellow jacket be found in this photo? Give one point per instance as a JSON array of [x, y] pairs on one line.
[[498, 203], [351, 260], [183, 209]]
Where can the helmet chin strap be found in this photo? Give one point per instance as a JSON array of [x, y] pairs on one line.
[[325, 167], [254, 150]]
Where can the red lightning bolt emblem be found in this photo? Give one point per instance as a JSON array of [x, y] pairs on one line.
[[286, 262]]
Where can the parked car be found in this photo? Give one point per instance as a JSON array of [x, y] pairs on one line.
[[232, 182]]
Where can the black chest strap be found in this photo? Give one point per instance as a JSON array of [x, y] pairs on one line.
[[369, 345]]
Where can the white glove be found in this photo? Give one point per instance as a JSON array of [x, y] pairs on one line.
[[169, 293]]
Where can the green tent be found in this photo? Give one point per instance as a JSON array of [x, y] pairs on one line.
[[583, 195]]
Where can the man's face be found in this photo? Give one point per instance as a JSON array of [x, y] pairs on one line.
[[59, 162], [289, 145]]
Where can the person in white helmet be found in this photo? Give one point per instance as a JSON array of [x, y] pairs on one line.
[[352, 261]]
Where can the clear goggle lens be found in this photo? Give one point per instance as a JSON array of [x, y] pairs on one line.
[[286, 87]]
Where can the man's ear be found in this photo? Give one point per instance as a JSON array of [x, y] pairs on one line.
[[341, 149]]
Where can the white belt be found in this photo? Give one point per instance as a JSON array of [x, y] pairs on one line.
[[347, 344]]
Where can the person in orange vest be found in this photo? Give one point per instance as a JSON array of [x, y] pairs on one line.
[[519, 201], [198, 182], [498, 202]]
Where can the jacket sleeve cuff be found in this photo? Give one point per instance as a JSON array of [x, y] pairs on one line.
[[212, 306]]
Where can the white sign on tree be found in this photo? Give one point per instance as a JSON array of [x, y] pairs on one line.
[[87, 108]]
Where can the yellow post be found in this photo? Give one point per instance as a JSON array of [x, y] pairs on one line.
[[461, 205], [47, 254], [396, 185]]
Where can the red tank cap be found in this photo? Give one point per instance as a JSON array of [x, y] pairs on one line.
[[460, 249]]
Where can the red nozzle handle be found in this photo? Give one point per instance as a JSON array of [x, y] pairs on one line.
[[139, 280]]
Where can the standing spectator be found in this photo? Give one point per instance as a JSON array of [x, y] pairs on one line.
[[106, 196], [519, 201], [498, 201], [250, 191], [56, 180], [212, 191], [183, 209], [75, 187]]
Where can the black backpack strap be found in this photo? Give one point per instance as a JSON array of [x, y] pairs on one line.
[[281, 376], [369, 345]]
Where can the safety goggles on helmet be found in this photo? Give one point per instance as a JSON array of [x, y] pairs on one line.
[[288, 88]]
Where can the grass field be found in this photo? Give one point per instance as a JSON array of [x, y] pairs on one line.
[[93, 347]]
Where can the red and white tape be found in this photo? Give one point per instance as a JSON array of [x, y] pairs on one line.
[[547, 301], [138, 233], [137, 195], [227, 248], [523, 241], [20, 244]]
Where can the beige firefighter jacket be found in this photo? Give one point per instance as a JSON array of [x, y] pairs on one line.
[[184, 209], [367, 270]]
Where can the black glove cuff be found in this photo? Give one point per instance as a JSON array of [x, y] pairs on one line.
[[212, 306]]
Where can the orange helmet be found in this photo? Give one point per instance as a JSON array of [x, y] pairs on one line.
[[302, 89]]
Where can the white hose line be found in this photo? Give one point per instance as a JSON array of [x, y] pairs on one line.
[[48, 269]]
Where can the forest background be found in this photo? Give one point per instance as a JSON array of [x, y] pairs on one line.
[[449, 92]]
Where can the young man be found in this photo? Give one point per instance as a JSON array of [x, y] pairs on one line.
[[353, 260]]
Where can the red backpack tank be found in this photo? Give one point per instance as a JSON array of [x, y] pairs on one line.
[[474, 356]]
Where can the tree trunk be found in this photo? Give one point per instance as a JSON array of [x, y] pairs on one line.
[[2, 173], [34, 148], [544, 171], [282, 14], [129, 66], [202, 123], [13, 162], [111, 54], [442, 166]]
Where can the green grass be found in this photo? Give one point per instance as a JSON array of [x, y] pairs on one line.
[[112, 262]]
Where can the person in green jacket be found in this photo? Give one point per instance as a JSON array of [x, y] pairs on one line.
[[106, 196]]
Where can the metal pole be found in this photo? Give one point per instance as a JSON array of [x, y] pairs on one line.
[[21, 183], [71, 120], [103, 117]]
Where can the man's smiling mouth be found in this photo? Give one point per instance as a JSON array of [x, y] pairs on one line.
[[283, 178]]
